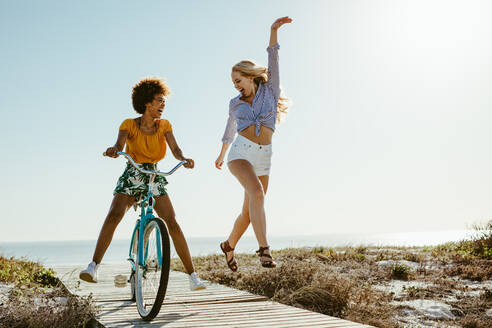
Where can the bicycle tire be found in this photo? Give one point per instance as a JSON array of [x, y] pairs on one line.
[[133, 259], [133, 297], [151, 282]]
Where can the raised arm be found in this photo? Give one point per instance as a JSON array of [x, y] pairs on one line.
[[273, 70]]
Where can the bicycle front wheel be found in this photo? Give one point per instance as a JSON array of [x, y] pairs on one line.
[[153, 275]]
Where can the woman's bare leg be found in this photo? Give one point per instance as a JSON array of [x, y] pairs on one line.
[[242, 222], [244, 172], [120, 204], [165, 210]]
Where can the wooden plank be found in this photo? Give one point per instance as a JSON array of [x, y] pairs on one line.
[[237, 323], [231, 315], [217, 306]]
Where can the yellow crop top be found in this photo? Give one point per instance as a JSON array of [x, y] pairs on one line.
[[145, 148]]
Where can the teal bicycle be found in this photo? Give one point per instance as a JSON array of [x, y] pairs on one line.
[[150, 252]]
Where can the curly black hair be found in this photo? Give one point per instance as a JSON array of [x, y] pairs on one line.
[[144, 92]]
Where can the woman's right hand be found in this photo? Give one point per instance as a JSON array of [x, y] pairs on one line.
[[219, 162], [111, 152], [281, 21]]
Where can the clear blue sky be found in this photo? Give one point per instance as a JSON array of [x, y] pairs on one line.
[[389, 129]]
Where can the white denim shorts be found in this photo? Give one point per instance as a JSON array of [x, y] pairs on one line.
[[260, 156]]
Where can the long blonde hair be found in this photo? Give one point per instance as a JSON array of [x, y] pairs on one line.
[[260, 75]]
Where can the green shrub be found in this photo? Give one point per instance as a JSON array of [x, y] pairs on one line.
[[481, 244], [26, 273], [400, 271]]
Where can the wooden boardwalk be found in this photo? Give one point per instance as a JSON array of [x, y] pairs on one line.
[[216, 306]]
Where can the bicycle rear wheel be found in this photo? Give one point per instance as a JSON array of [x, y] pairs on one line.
[[152, 277], [132, 286]]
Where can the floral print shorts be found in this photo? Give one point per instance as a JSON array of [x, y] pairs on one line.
[[136, 184]]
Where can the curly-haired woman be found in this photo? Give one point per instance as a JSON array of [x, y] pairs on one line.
[[253, 113], [145, 138]]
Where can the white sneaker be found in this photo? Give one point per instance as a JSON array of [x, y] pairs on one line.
[[89, 274], [195, 282]]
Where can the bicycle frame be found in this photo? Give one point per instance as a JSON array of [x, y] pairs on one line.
[[146, 214]]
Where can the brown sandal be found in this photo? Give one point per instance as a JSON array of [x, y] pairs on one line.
[[232, 264], [266, 263]]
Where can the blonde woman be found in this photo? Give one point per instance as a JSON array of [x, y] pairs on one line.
[[253, 114]]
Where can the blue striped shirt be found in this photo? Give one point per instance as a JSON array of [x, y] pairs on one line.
[[263, 110]]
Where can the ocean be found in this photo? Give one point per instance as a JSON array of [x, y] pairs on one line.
[[79, 252]]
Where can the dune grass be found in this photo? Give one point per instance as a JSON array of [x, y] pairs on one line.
[[37, 298], [481, 244], [306, 278], [343, 282]]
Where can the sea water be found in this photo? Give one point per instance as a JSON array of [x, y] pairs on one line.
[[79, 252]]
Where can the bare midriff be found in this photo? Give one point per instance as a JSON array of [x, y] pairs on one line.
[[265, 137]]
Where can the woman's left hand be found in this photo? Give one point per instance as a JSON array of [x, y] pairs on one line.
[[189, 163], [281, 21]]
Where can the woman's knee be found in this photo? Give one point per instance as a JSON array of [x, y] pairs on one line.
[[172, 224], [256, 195]]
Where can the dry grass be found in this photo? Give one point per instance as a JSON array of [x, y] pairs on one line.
[[39, 299], [307, 279], [473, 309], [340, 281], [477, 270], [52, 308]]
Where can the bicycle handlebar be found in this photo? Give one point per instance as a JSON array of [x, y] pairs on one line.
[[130, 159]]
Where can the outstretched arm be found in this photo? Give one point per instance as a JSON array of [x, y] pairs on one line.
[[275, 26]]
